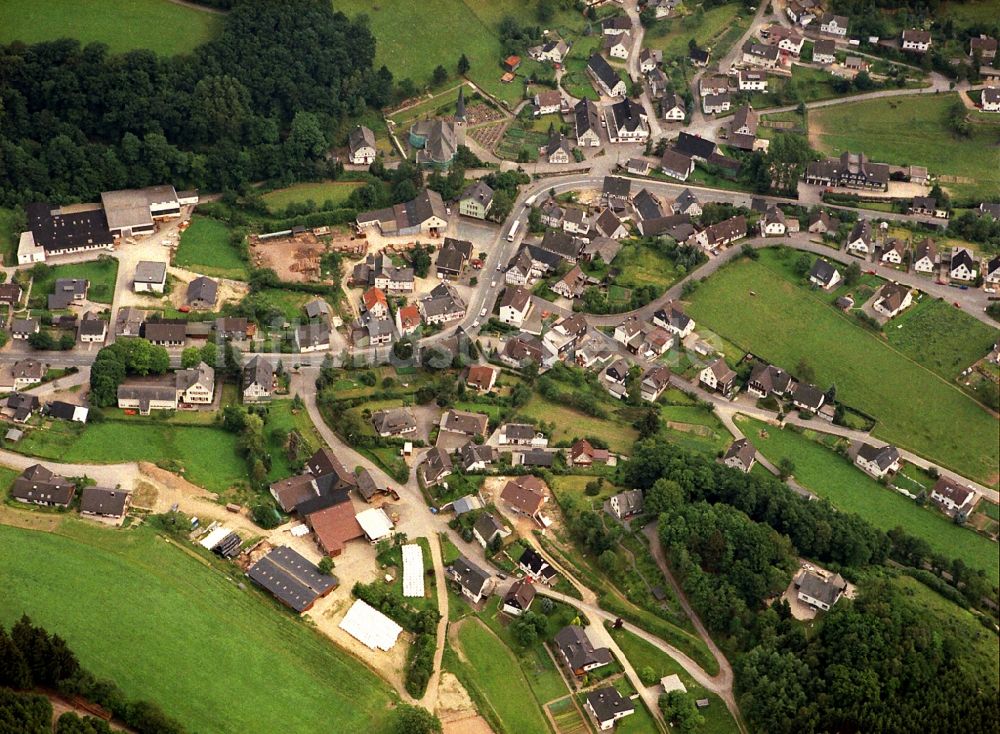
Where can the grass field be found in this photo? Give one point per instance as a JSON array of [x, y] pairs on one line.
[[8, 237], [978, 653], [102, 274], [289, 303], [185, 635], [206, 455], [411, 47], [911, 130], [642, 655], [641, 266], [333, 191], [719, 28], [569, 423], [162, 26], [850, 489], [785, 322], [500, 679], [280, 422], [940, 337], [205, 248]]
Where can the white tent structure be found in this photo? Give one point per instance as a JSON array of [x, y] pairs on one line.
[[370, 627], [375, 523], [214, 537], [413, 570]]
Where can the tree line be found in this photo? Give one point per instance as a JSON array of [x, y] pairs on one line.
[[31, 657], [262, 100]]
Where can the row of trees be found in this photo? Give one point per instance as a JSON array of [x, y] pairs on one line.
[[31, 657], [260, 101]]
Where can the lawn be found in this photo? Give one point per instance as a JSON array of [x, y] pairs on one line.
[[289, 303], [911, 131], [941, 337], [785, 323], [718, 29], [205, 247], [165, 27], [280, 422], [500, 680], [335, 192], [206, 456], [641, 265], [695, 428], [411, 47], [642, 655], [102, 274], [571, 423], [185, 635], [849, 489], [8, 237]]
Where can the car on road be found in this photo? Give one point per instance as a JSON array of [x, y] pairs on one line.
[[499, 267], [493, 284], [483, 312], [475, 323]]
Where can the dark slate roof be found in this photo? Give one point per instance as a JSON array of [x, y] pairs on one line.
[[808, 395], [103, 501], [883, 456], [202, 289], [38, 484], [260, 371], [822, 270], [741, 449], [825, 590], [574, 644], [604, 72], [291, 578], [55, 231], [607, 702], [469, 576], [587, 116], [536, 564], [694, 146], [487, 526], [616, 186], [562, 244]]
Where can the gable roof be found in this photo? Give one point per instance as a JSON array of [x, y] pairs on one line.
[[587, 116], [468, 575], [741, 449], [577, 648], [604, 72], [882, 456], [524, 494], [694, 145], [202, 289], [822, 271]]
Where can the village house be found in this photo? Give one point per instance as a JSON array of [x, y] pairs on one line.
[[258, 380], [607, 705], [699, 148], [653, 382], [605, 78], [649, 59], [985, 46], [379, 271], [807, 397], [314, 337], [893, 299], [617, 46], [104, 502], [893, 252], [442, 305], [609, 225], [674, 320], [616, 25], [673, 108], [487, 528], [991, 99], [772, 224], [786, 40], [536, 568], [426, 215], [572, 284], [927, 206], [819, 590], [553, 51], [861, 241], [992, 271], [150, 277], [202, 293], [824, 51], [558, 150], [758, 54], [515, 305], [475, 583], [722, 233], [165, 333], [27, 372], [716, 104], [520, 434], [394, 422], [23, 328], [749, 80], [718, 376], [408, 320], [435, 467], [767, 380], [574, 221], [877, 461], [824, 274], [481, 377], [361, 143], [476, 457], [375, 304], [626, 504], [587, 123], [525, 496], [583, 453], [476, 201], [740, 455], [452, 257], [962, 265], [676, 165], [916, 40], [577, 652], [699, 57], [37, 485], [626, 122], [195, 386], [468, 424], [951, 497], [518, 598], [833, 25], [925, 258], [822, 223], [850, 170], [655, 342]]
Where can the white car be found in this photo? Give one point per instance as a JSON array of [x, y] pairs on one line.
[[493, 284], [483, 312], [475, 323]]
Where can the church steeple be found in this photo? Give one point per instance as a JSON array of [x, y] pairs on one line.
[[460, 106]]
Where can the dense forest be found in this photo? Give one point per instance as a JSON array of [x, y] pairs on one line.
[[260, 101], [873, 664]]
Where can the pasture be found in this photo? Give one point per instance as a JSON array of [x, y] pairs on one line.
[[335, 192], [939, 336], [102, 274], [718, 29], [641, 265], [832, 476], [280, 422], [204, 455], [499, 679], [618, 434], [911, 131], [185, 635], [412, 47], [785, 323], [205, 248], [159, 25]]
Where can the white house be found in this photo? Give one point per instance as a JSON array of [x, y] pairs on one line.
[[515, 306], [951, 496], [752, 81], [818, 590], [877, 461], [718, 376], [893, 299], [914, 40], [607, 706], [673, 108], [963, 265], [361, 142], [772, 224], [833, 25], [991, 99], [861, 241], [150, 277], [925, 257]]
